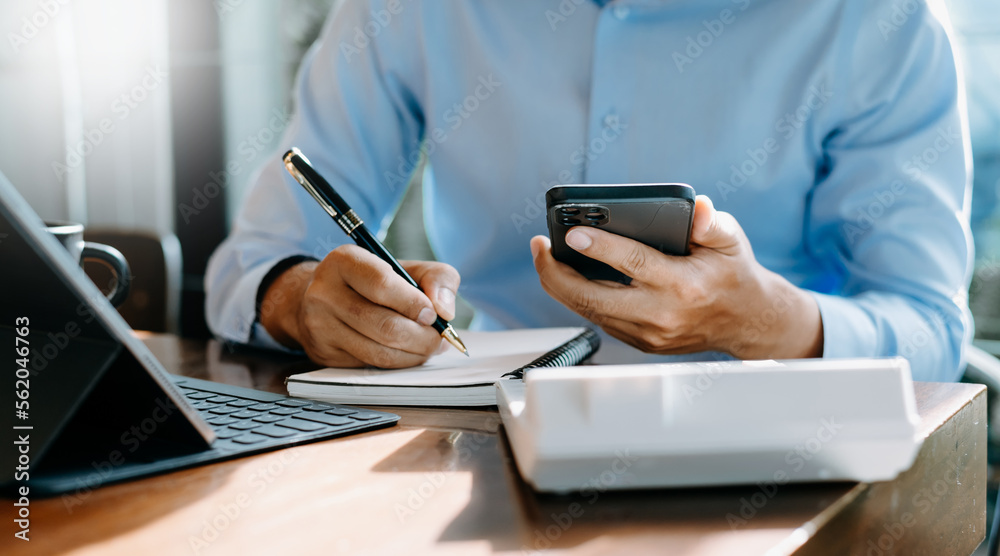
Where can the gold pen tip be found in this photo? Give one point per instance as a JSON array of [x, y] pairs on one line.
[[453, 339]]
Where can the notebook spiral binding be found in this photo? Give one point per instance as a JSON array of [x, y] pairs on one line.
[[572, 352]]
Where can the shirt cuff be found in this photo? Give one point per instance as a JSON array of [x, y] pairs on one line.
[[240, 319], [277, 270], [848, 330], [259, 335]]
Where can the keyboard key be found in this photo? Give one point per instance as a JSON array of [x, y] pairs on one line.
[[242, 403], [324, 418], [249, 438], [246, 414], [245, 425], [292, 403], [299, 425], [317, 407], [263, 407], [268, 418], [223, 410], [273, 431], [222, 399], [197, 395], [285, 411], [340, 411], [222, 420], [227, 433], [202, 404], [365, 416]]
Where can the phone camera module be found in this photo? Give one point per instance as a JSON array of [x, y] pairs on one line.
[[582, 215], [597, 216]]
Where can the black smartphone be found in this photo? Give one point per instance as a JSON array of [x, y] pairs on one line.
[[657, 214]]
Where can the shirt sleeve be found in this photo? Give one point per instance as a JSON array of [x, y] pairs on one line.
[[354, 119], [890, 211]]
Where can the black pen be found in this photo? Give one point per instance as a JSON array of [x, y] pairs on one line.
[[299, 167]]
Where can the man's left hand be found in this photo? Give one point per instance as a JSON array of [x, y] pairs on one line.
[[719, 298]]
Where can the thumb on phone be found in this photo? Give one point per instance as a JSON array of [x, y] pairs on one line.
[[714, 229]]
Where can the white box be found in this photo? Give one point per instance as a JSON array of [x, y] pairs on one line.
[[699, 424]]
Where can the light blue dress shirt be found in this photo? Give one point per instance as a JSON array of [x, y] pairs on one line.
[[832, 130]]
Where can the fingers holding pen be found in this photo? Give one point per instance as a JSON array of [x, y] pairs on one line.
[[439, 280], [335, 343], [385, 306], [358, 287], [374, 280]]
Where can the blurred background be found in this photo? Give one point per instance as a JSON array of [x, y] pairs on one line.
[[145, 120]]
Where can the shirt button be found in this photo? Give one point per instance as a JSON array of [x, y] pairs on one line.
[[621, 12], [611, 120]]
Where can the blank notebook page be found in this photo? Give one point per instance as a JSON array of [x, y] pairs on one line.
[[491, 355]]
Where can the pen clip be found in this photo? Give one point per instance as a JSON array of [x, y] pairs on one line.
[[306, 184]]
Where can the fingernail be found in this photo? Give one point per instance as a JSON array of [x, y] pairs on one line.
[[534, 250], [445, 296], [446, 299], [426, 316], [578, 239]]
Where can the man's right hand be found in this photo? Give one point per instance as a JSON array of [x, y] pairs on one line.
[[352, 310]]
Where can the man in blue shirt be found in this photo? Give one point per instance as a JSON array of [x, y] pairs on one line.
[[799, 122]]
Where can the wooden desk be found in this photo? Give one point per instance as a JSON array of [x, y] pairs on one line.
[[443, 481]]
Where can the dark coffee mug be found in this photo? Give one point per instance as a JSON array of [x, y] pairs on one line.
[[70, 235]]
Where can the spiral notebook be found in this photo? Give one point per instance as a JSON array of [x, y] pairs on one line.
[[452, 379]]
